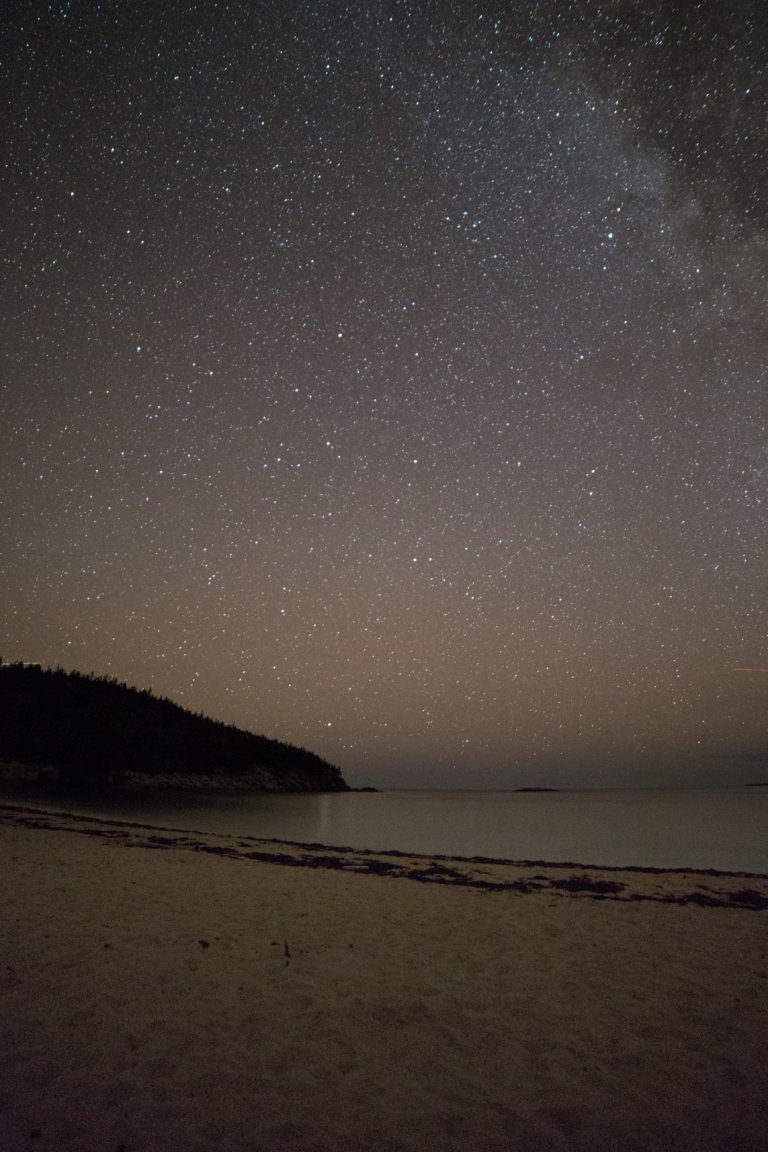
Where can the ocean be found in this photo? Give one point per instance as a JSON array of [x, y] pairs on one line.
[[724, 829]]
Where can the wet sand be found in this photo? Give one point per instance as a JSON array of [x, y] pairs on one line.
[[175, 990]]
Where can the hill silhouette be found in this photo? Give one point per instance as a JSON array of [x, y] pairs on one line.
[[95, 730]]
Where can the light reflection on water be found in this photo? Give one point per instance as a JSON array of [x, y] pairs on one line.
[[725, 829]]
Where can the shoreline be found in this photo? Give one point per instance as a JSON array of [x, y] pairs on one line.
[[434, 868], [164, 989], [258, 781]]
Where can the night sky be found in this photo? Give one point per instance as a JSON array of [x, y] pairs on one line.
[[389, 378]]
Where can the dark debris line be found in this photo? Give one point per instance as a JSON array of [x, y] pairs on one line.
[[364, 863]]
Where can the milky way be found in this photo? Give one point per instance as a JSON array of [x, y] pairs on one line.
[[390, 379]]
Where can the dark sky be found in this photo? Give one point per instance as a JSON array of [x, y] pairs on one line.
[[389, 378]]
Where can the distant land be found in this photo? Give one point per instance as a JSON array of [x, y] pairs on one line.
[[537, 789], [78, 729]]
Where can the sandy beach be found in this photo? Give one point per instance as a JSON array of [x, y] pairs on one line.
[[166, 990]]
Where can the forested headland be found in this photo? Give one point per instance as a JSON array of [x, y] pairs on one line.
[[94, 731]]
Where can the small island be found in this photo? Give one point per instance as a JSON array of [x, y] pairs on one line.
[[73, 729], [537, 789]]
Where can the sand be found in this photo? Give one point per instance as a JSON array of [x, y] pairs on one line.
[[185, 991]]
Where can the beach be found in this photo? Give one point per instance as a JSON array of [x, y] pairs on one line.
[[191, 991]]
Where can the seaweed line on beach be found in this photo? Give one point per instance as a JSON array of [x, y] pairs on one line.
[[400, 865]]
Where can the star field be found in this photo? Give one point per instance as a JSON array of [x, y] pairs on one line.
[[390, 379]]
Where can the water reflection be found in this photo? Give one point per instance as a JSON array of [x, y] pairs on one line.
[[722, 829]]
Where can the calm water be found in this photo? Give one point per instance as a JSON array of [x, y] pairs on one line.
[[725, 829]]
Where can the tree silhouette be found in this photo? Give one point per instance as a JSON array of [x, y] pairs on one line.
[[95, 729]]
